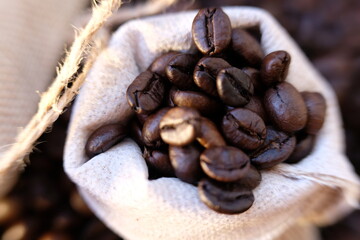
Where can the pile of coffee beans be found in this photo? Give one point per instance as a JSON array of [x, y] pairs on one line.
[[215, 116]]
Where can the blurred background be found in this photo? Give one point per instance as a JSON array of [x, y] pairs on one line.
[[45, 205]]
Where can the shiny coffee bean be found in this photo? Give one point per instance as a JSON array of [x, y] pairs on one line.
[[186, 163], [104, 138], [151, 130], [277, 147], [285, 107], [274, 68], [254, 76], [255, 105], [146, 92], [180, 70], [304, 146], [158, 161], [244, 128], [229, 198], [251, 179], [316, 108], [135, 131], [179, 126], [246, 46], [208, 135], [234, 87], [206, 71], [211, 31], [225, 163], [160, 63], [197, 100]]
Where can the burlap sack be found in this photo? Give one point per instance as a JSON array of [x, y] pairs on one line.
[[115, 184]]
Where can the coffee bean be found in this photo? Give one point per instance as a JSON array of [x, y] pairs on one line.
[[277, 147], [304, 146], [142, 118], [180, 70], [179, 126], [254, 76], [255, 105], [274, 68], [10, 209], [211, 31], [247, 47], [234, 87], [160, 63], [251, 179], [229, 198], [199, 101], [225, 163], [135, 130], [146, 92], [208, 135], [104, 138], [186, 163], [151, 130], [285, 107], [159, 161], [206, 71], [244, 128], [316, 108]]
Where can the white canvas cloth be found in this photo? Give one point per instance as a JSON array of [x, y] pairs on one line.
[[115, 184]]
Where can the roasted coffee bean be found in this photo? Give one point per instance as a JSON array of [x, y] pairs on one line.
[[179, 126], [247, 47], [274, 68], [142, 118], [10, 209], [316, 108], [104, 138], [304, 146], [135, 131], [146, 92], [160, 63], [208, 135], [244, 128], [186, 163], [225, 163], [197, 100], [254, 76], [180, 70], [206, 71], [277, 147], [211, 31], [285, 107], [229, 198], [251, 179], [255, 105], [151, 130], [234, 87], [159, 161]]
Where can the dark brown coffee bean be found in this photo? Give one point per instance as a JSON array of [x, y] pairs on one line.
[[211, 31], [159, 161], [247, 47], [186, 163], [142, 118], [251, 179], [304, 146], [254, 76], [151, 130], [135, 130], [316, 108], [225, 164], [244, 128], [206, 71], [234, 87], [180, 70], [277, 147], [10, 209], [199, 101], [146, 92], [179, 126], [104, 138], [208, 135], [160, 63], [255, 105], [229, 198], [274, 68], [285, 107]]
